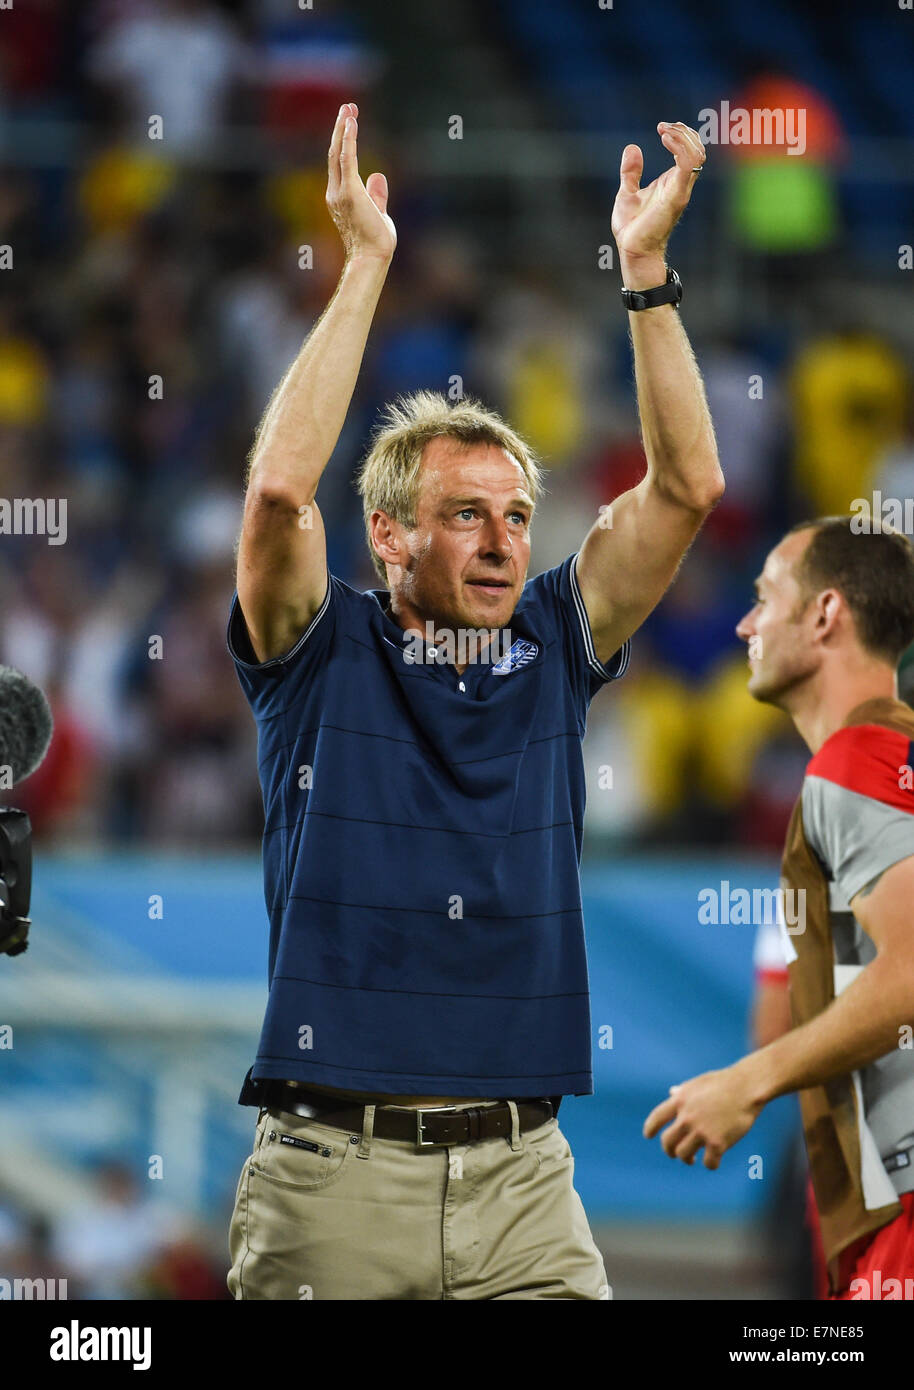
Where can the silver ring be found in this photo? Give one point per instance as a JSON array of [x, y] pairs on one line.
[[698, 170]]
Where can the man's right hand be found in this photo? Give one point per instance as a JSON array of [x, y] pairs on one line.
[[358, 209]]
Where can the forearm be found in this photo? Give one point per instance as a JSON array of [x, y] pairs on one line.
[[861, 1024], [676, 425], [303, 420]]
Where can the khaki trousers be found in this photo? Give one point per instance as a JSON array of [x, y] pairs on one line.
[[324, 1214]]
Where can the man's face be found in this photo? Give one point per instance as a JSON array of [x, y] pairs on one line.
[[779, 628], [465, 561]]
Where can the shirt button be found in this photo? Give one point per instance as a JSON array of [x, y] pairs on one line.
[[462, 687]]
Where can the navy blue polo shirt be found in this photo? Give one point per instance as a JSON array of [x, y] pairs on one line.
[[421, 849]]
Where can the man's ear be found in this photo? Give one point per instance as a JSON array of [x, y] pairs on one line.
[[384, 538], [828, 610]]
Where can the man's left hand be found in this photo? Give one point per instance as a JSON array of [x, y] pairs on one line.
[[643, 218], [712, 1111]]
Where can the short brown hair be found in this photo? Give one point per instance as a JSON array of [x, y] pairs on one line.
[[388, 479], [872, 569]]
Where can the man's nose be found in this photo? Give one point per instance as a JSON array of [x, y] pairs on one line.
[[496, 540], [743, 629]]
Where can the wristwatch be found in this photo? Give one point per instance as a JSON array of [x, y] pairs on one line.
[[670, 293]]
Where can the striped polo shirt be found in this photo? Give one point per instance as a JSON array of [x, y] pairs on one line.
[[421, 849]]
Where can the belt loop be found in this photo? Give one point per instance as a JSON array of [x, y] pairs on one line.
[[364, 1149], [515, 1126]]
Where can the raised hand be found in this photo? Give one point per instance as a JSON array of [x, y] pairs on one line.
[[358, 209], [644, 217]]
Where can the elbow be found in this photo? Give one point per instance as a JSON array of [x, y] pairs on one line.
[[700, 495], [265, 495], [706, 492], [713, 492]]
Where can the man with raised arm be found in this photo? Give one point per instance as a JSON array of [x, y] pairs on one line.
[[423, 786]]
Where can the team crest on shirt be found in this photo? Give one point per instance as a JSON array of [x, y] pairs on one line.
[[520, 654]]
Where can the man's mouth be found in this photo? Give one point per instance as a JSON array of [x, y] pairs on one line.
[[490, 586]]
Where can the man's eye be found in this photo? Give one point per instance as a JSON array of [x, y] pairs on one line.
[[520, 517], [466, 511]]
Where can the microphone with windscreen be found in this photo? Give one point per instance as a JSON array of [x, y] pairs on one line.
[[26, 726]]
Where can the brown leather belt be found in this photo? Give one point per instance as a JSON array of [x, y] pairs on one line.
[[425, 1128]]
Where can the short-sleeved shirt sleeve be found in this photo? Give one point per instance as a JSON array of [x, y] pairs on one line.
[[858, 806], [556, 591], [260, 679]]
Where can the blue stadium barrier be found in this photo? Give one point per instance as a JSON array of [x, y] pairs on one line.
[[675, 994]]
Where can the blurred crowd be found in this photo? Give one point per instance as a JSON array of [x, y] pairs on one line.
[[155, 298], [120, 1244]]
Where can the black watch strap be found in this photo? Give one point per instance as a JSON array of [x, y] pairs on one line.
[[670, 293]]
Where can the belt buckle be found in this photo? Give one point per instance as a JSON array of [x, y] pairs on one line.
[[432, 1110], [289, 1101]]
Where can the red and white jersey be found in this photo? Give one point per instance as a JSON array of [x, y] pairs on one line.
[[858, 820]]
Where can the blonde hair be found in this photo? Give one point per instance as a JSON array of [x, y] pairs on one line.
[[388, 479]]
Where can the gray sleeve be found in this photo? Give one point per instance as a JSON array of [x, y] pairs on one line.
[[855, 836]]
